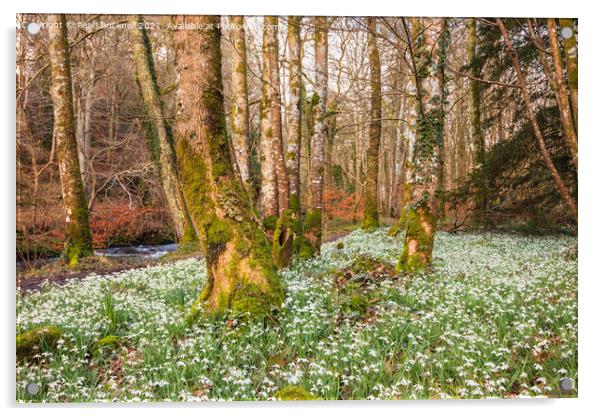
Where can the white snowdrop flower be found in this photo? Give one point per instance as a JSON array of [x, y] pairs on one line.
[[471, 383]]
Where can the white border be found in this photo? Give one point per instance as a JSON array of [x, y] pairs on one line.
[[590, 275]]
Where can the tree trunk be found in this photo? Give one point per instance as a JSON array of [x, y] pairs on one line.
[[240, 100], [290, 222], [78, 239], [562, 95], [158, 133], [313, 217], [478, 139], [83, 90], [282, 241], [241, 276], [294, 111], [421, 221], [564, 192], [269, 177], [370, 221], [271, 26], [570, 53]]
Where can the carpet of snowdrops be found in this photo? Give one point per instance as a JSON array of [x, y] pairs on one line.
[[497, 317]]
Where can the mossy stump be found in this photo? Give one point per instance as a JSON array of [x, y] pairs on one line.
[[32, 341], [283, 239], [294, 393]]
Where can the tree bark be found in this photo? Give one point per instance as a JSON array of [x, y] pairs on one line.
[[288, 236], [159, 135], [271, 26], [241, 277], [294, 111], [564, 192], [422, 215], [240, 100], [78, 239], [478, 139], [313, 216], [370, 221], [570, 54], [269, 199], [562, 94]]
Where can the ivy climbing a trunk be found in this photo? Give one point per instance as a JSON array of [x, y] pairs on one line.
[[421, 222], [78, 239], [241, 277]]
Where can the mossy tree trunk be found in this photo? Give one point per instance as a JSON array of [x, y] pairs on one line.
[[159, 134], [241, 276], [421, 221], [370, 221], [478, 139], [562, 189], [240, 99], [313, 217], [78, 239]]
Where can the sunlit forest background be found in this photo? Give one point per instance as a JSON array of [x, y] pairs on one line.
[[123, 191]]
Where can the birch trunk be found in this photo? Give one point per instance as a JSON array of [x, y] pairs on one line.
[[313, 217], [240, 100], [271, 26]]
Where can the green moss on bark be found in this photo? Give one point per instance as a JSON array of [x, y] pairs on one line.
[[420, 226], [312, 231], [370, 222], [283, 239]]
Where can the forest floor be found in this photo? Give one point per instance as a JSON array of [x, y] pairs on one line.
[[496, 317]]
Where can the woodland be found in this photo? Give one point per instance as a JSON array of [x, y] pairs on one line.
[[295, 207]]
